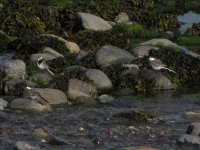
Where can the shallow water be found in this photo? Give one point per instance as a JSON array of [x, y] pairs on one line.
[[187, 20], [102, 129]]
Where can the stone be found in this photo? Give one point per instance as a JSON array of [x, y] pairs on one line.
[[189, 139], [81, 55], [192, 115], [29, 105], [3, 104], [99, 78], [14, 68], [46, 56], [122, 18], [52, 52], [142, 51], [132, 69], [194, 129], [14, 87], [159, 42], [105, 98], [23, 145], [72, 47], [43, 77], [6, 56], [110, 55], [53, 96], [80, 90], [161, 81], [92, 22]]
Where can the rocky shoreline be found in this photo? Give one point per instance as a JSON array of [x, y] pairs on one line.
[[89, 55]]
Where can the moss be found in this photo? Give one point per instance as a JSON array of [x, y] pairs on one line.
[[41, 83], [189, 40], [11, 38], [63, 3]]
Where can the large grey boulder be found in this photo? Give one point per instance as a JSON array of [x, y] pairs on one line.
[[29, 105], [3, 104], [93, 22], [110, 55], [99, 78], [78, 89], [143, 50], [53, 96], [161, 81], [14, 68]]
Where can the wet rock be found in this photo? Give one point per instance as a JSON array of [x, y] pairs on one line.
[[138, 148], [14, 68], [53, 96], [105, 98], [138, 115], [23, 145], [194, 129], [189, 139], [159, 42], [3, 104], [29, 105], [43, 77], [111, 55], [46, 56], [160, 82], [3, 116], [142, 51], [50, 139], [99, 78], [6, 56], [75, 67], [81, 91], [81, 55], [52, 52], [93, 22], [192, 115], [122, 18], [14, 87], [132, 69]]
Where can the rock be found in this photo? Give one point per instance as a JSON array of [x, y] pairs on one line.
[[138, 115], [72, 47], [159, 42], [3, 104], [29, 105], [52, 52], [81, 91], [93, 22], [43, 77], [14, 87], [161, 81], [81, 55], [194, 129], [46, 56], [50, 139], [105, 98], [110, 55], [23, 145], [189, 139], [122, 18], [142, 51], [192, 115], [132, 70], [53, 96], [14, 68], [6, 56], [99, 78], [75, 67], [138, 148]]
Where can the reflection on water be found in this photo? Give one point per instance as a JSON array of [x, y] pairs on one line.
[[187, 20]]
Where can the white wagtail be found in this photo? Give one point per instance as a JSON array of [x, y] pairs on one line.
[[157, 64], [43, 65], [34, 95]]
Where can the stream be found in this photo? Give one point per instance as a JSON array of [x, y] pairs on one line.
[[97, 127]]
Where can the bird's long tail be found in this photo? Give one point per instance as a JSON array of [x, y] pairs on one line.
[[168, 69], [50, 72]]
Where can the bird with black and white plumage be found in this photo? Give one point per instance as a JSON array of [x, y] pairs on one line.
[[34, 95], [41, 63], [157, 64]]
